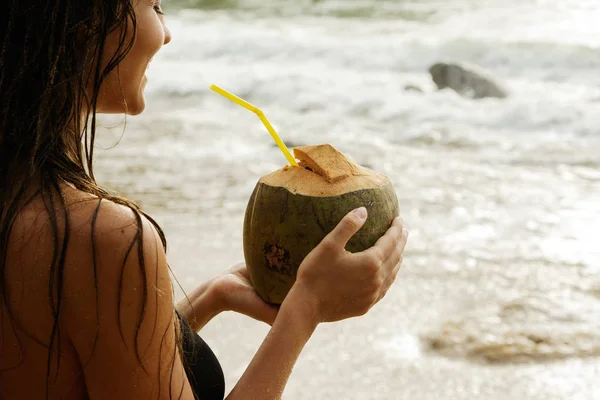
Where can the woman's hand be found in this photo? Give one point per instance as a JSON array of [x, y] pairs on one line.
[[237, 294], [230, 291], [333, 284]]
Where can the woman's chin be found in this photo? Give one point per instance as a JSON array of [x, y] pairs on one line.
[[130, 101], [138, 105]]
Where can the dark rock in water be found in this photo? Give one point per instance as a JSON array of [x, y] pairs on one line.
[[413, 88], [467, 80]]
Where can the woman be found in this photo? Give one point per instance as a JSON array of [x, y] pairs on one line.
[[86, 305]]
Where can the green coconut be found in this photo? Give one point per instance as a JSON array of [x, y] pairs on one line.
[[292, 209]]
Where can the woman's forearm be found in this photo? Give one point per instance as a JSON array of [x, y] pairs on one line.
[[268, 372], [266, 376], [201, 305]]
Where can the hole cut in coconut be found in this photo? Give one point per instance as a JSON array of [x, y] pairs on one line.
[[327, 161]]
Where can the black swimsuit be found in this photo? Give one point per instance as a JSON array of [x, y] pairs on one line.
[[202, 367]]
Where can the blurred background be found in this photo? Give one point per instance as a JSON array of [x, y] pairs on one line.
[[497, 176]]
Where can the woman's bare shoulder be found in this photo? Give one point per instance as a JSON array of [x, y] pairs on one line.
[[105, 234], [96, 250], [79, 230], [77, 219]]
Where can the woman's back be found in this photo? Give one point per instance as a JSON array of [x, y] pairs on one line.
[[27, 327], [111, 311]]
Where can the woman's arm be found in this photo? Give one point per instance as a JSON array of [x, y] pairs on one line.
[[230, 291], [119, 309], [332, 284], [201, 305], [266, 376]]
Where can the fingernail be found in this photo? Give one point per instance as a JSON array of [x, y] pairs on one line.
[[360, 212]]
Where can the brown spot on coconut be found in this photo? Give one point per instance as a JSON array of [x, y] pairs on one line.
[[292, 209]]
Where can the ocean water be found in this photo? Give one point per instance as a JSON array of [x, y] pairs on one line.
[[499, 296]]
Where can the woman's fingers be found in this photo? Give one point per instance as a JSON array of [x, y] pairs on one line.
[[267, 314], [392, 246], [346, 228], [396, 254], [386, 244], [391, 278], [244, 300], [391, 266]]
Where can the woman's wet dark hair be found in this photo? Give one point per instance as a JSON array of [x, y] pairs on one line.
[[51, 71]]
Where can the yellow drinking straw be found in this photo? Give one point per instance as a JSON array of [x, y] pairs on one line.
[[262, 117]]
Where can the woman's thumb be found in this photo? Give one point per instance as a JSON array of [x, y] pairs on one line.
[[348, 226]]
